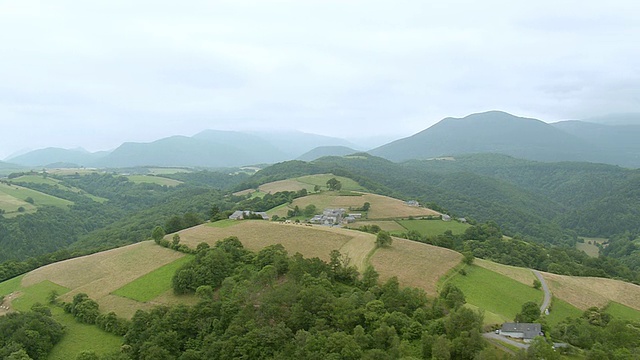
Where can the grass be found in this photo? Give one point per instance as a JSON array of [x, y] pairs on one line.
[[39, 179], [81, 337], [98, 275], [223, 223], [382, 207], [321, 180], [589, 246], [11, 285], [620, 311], [495, 293], [14, 196], [434, 227], [386, 225], [147, 179], [37, 293], [167, 171], [153, 284], [561, 310], [415, 264]]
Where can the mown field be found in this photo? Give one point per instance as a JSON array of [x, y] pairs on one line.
[[382, 207], [589, 246], [434, 227], [148, 179]]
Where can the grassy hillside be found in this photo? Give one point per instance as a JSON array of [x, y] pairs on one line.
[[146, 179], [12, 197], [39, 179], [434, 227], [500, 296]]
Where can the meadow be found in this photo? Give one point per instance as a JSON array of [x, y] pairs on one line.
[[12, 197], [434, 227], [495, 293], [39, 179], [589, 246], [148, 179]]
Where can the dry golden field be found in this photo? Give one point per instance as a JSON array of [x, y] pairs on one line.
[[382, 207], [415, 264], [100, 274], [585, 292], [310, 241], [284, 185]]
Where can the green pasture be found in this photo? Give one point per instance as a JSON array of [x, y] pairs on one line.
[[11, 285], [620, 311], [433, 227], [495, 293], [561, 310], [37, 293], [81, 337], [153, 284], [12, 197], [146, 179], [321, 180], [167, 171]]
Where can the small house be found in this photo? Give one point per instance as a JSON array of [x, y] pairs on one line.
[[524, 331], [412, 203], [240, 214], [446, 217]]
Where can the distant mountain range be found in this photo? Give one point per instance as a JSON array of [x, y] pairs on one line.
[[502, 133], [209, 148], [611, 140]]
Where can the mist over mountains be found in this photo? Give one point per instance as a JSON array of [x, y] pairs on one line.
[[610, 140]]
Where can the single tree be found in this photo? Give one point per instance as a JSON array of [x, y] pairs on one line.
[[383, 239], [157, 234]]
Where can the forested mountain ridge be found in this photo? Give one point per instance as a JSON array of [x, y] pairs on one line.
[[502, 133]]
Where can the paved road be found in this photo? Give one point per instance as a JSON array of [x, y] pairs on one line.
[[547, 292], [493, 337]]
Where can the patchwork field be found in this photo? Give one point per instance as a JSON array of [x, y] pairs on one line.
[[434, 227], [12, 197], [99, 275], [304, 182], [147, 179]]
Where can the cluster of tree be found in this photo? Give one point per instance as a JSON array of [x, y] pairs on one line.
[[268, 305], [87, 311], [29, 335], [603, 336], [334, 184], [269, 201]]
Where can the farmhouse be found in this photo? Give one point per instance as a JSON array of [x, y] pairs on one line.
[[524, 331], [240, 214], [446, 217], [412, 203], [329, 217]]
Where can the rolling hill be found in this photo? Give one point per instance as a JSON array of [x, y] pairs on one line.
[[491, 132], [51, 155], [326, 151]]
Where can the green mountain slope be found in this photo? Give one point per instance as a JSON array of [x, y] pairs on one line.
[[326, 151], [490, 132], [52, 155]]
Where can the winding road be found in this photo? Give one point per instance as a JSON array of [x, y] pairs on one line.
[[547, 292]]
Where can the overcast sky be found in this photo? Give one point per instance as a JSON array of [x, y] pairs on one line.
[[97, 73]]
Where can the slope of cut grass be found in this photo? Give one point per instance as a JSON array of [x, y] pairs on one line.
[[100, 274], [433, 227], [382, 207], [223, 223], [585, 292], [589, 246], [39, 179], [494, 292], [415, 264], [386, 225], [519, 274], [153, 284], [321, 180], [147, 179]]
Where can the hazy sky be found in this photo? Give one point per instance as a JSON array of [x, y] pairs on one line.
[[98, 73]]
